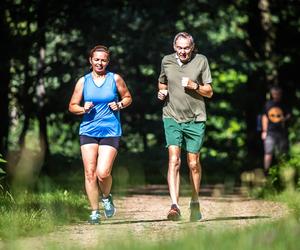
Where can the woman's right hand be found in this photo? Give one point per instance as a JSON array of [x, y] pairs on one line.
[[88, 107]]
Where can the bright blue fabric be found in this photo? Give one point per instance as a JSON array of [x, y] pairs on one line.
[[101, 121]]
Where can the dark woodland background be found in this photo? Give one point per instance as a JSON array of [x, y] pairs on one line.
[[250, 45]]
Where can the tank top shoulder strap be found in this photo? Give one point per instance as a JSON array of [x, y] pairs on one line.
[[111, 76], [86, 78]]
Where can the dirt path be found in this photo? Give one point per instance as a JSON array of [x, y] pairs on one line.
[[142, 213]]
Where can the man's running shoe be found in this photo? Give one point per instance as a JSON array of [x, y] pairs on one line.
[[109, 207], [95, 217], [195, 211], [174, 213]]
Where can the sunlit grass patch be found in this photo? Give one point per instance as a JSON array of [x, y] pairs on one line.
[[292, 199], [37, 213], [21, 222]]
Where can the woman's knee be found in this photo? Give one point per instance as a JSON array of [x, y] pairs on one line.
[[103, 174]]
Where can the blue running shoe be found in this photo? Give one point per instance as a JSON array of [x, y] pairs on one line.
[[195, 211], [95, 217], [109, 207]]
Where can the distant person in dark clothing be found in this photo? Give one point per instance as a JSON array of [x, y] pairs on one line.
[[274, 127]]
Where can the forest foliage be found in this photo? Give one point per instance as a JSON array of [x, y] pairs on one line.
[[250, 45]]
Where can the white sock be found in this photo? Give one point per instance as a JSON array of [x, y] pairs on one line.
[[95, 212]]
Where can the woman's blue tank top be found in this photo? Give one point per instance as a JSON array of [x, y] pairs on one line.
[[101, 121]]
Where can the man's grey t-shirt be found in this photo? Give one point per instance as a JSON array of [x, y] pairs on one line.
[[183, 104]]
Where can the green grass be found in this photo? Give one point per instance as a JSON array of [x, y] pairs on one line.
[[280, 235], [27, 214], [292, 199]]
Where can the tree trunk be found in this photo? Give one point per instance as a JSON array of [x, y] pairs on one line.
[[41, 96], [269, 34], [40, 88], [261, 42], [26, 100]]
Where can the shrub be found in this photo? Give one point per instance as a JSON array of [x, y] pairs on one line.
[[286, 174]]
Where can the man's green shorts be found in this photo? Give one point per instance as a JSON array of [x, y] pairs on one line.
[[187, 135]]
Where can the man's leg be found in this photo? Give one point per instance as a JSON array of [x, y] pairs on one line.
[[267, 161], [173, 135], [194, 135], [193, 161], [174, 180], [269, 144], [173, 173]]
